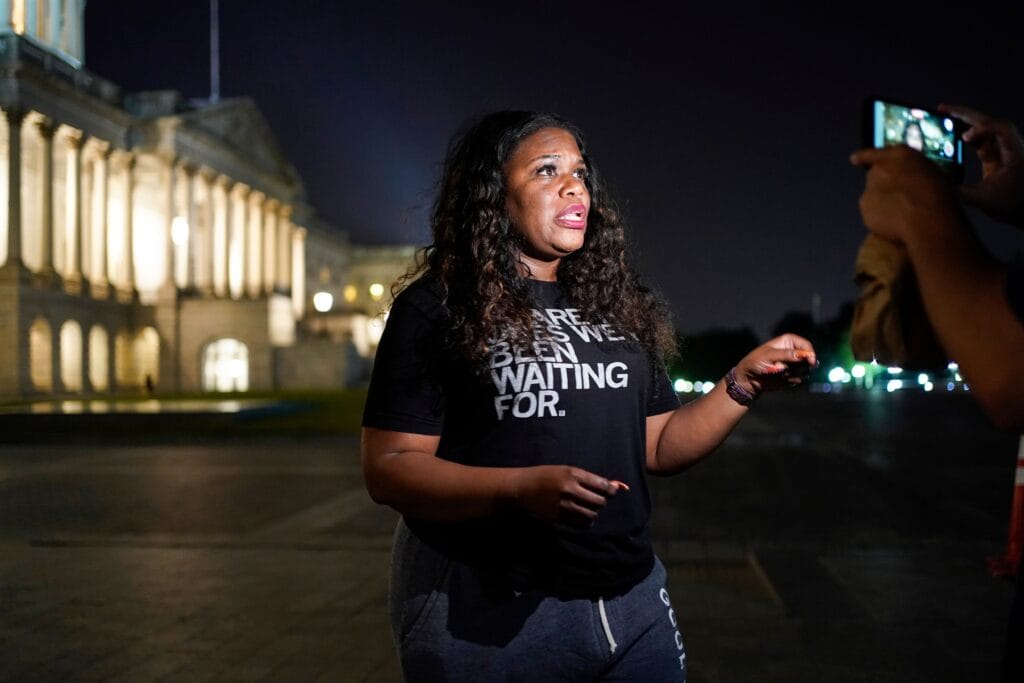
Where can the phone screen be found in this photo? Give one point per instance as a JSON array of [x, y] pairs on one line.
[[931, 133]]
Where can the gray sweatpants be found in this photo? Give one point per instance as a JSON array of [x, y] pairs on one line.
[[451, 624]]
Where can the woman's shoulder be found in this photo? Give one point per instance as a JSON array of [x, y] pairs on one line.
[[424, 294]]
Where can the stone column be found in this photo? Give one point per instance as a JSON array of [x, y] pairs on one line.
[[284, 249], [170, 174], [75, 273], [129, 223], [189, 174], [56, 380], [86, 358], [270, 208], [298, 253], [204, 270], [14, 119], [222, 286], [100, 194], [240, 223], [254, 286], [46, 131]]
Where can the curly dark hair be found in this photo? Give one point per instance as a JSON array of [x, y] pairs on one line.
[[476, 252]]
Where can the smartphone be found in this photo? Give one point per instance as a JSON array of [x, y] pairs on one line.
[[934, 134]]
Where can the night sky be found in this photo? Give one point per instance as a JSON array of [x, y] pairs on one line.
[[724, 135]]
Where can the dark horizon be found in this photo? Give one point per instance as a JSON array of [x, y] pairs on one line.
[[725, 139]]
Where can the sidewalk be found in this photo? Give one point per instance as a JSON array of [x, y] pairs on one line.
[[792, 556]]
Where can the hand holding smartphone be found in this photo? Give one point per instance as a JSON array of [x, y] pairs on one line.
[[936, 135]]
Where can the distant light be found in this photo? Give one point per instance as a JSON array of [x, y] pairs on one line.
[[950, 386], [928, 386], [698, 387], [350, 293], [958, 378], [894, 385], [683, 386], [826, 388], [179, 230], [894, 370], [874, 362], [953, 367], [708, 386], [923, 379], [966, 388], [376, 290], [858, 370], [836, 374], [322, 301]]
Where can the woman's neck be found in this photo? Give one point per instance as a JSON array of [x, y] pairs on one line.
[[537, 269]]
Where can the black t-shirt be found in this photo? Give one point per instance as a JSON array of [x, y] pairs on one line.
[[579, 396]]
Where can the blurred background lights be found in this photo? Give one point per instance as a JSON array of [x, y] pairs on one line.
[[322, 301], [683, 386], [838, 374]]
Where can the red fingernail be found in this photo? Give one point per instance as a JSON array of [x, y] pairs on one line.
[[621, 485]]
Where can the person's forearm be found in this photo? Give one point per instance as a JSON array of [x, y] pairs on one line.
[[425, 486], [696, 429], [963, 290]]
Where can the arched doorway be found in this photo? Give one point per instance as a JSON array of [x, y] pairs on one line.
[[226, 366]]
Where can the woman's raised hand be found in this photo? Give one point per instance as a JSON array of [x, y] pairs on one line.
[[779, 362]]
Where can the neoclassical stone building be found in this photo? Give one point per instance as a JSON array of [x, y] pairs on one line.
[[151, 242]]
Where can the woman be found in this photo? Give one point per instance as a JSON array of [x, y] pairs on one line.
[[517, 400]]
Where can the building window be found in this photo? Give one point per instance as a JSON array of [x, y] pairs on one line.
[[71, 355], [40, 355], [226, 366], [147, 358], [99, 366]]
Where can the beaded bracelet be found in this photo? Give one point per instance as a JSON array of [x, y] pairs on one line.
[[737, 392]]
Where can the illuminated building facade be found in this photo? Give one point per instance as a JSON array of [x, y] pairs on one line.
[[146, 241]]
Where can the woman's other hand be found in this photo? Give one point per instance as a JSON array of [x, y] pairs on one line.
[[561, 493], [780, 362]]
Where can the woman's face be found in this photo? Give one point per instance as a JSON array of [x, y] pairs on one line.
[[547, 198]]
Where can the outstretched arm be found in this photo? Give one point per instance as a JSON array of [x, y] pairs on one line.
[[678, 439]]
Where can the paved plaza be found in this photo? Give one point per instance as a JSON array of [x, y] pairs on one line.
[[831, 539]]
